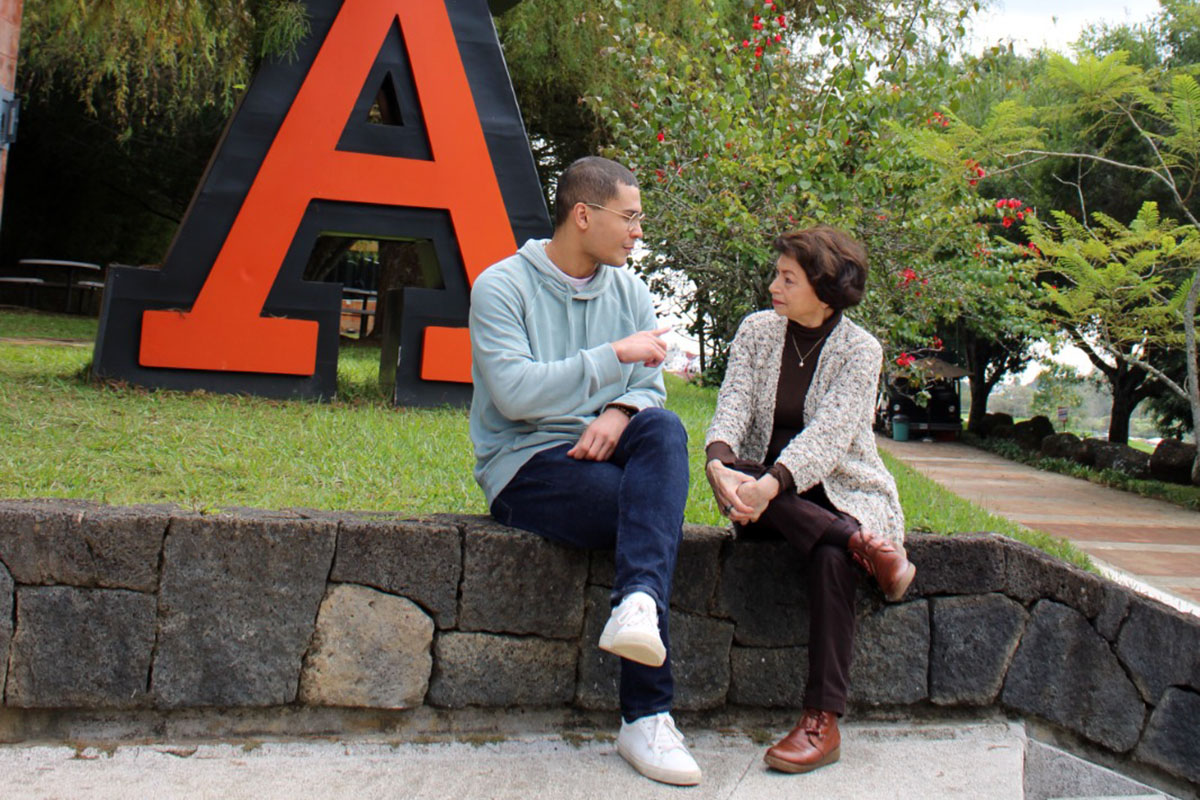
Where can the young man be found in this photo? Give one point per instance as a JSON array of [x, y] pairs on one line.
[[571, 439]]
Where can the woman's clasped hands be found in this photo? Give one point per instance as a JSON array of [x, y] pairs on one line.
[[739, 496]]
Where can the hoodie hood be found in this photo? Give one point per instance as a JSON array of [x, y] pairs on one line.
[[534, 251]]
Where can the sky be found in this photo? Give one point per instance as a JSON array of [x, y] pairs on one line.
[[1030, 24]]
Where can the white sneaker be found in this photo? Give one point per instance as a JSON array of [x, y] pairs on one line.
[[654, 747], [632, 631]]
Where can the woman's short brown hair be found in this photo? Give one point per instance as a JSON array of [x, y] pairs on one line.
[[836, 265]]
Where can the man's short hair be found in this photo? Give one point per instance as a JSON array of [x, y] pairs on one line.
[[590, 179], [836, 264]]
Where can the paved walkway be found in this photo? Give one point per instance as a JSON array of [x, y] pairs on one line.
[[1155, 542]]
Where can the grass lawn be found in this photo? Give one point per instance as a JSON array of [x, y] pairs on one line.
[[66, 437]]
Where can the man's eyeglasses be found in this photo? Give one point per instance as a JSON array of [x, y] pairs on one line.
[[634, 220]]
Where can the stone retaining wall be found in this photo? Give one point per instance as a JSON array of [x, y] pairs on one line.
[[157, 608]]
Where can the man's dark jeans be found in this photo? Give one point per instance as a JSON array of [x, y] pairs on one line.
[[632, 503]]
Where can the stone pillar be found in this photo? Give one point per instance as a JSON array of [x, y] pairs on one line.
[[10, 37]]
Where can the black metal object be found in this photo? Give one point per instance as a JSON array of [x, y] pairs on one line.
[[10, 116], [943, 411], [130, 292]]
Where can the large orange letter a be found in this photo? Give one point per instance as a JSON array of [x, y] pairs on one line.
[[230, 326]]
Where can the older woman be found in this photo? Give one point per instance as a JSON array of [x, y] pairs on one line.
[[791, 453]]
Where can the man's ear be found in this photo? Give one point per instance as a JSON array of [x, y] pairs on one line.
[[579, 216]]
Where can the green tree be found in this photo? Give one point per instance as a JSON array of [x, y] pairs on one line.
[[743, 131], [1117, 292], [124, 101], [1057, 386], [133, 63], [1161, 110]]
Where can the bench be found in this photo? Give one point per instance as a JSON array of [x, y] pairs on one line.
[[72, 278], [362, 304]]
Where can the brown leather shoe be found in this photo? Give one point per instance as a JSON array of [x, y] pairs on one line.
[[814, 742], [886, 561]]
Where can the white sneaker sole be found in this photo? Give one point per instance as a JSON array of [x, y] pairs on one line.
[[673, 777], [644, 648]]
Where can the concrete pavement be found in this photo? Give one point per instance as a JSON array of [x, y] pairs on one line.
[[1155, 543], [980, 760]]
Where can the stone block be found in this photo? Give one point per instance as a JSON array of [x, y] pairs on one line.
[[370, 650], [768, 677], [1172, 737], [238, 602], [483, 669], [517, 582], [599, 672], [1064, 672], [967, 563], [973, 641], [891, 656], [762, 589], [418, 560], [80, 648], [699, 661], [1030, 433], [6, 621], [1114, 608], [1120, 458], [988, 424], [82, 544], [1032, 575], [1090, 445], [1160, 646], [1000, 431], [695, 571], [1172, 461], [1063, 445]]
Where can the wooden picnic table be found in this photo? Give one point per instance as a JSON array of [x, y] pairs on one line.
[[74, 277]]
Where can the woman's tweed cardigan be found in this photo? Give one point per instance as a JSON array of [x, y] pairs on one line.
[[836, 447]]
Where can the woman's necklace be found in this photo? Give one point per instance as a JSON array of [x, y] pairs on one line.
[[796, 347]]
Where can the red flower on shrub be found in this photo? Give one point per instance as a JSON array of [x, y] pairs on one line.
[[782, 21], [905, 359], [908, 276], [661, 136]]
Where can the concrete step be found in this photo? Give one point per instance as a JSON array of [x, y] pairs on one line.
[[978, 761]]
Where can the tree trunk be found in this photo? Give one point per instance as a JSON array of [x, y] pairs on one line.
[[1118, 423], [399, 266], [980, 389]]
